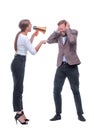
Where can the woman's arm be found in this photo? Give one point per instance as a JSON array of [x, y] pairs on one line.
[[39, 45], [33, 35]]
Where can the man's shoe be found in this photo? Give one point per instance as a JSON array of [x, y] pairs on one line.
[[56, 117], [81, 118]]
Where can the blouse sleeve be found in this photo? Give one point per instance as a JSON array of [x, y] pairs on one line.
[[29, 47]]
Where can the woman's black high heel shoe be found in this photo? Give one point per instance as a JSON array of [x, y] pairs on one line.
[[17, 116], [26, 118]]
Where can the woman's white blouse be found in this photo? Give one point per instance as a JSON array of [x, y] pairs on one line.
[[24, 45]]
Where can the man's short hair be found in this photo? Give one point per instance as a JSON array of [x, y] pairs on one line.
[[62, 22]]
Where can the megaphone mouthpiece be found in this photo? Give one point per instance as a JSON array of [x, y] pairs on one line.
[[34, 27]]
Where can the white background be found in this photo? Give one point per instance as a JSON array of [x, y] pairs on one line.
[[40, 69]]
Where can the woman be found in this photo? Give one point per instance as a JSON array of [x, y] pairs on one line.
[[21, 45]]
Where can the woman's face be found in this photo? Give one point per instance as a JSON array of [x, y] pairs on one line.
[[29, 27]]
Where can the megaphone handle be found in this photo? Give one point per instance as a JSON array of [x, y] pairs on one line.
[[36, 32]]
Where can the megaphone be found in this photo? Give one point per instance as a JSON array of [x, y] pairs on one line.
[[42, 29]]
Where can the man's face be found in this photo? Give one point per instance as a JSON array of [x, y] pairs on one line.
[[62, 29]]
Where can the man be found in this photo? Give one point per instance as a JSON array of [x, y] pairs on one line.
[[67, 67]]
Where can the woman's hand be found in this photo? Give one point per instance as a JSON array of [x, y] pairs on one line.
[[36, 33], [43, 41]]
